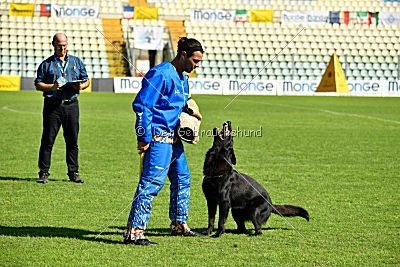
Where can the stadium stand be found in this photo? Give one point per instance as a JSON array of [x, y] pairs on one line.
[[255, 43], [233, 50]]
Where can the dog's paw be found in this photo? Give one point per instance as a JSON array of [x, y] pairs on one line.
[[256, 233], [216, 235], [208, 231]]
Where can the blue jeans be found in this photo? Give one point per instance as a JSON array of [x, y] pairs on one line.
[[160, 160]]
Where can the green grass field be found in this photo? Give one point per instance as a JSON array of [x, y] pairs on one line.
[[336, 156]]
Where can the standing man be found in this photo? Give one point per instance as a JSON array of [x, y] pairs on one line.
[[61, 107], [158, 106]]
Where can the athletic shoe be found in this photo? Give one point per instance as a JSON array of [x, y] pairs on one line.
[[74, 177], [136, 236], [43, 177], [183, 230]]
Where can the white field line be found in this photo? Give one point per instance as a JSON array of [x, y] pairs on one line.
[[7, 108], [326, 111]]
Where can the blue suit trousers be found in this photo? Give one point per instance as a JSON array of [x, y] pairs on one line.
[[160, 160]]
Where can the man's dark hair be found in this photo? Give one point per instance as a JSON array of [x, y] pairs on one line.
[[190, 45]]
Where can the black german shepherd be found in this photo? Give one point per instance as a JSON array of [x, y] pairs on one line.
[[227, 188]]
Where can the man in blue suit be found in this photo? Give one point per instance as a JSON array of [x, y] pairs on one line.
[[158, 106]]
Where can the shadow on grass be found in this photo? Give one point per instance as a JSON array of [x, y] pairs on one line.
[[3, 178], [18, 179], [167, 231], [28, 231]]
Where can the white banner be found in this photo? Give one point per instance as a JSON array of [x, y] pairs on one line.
[[255, 87], [391, 88], [309, 16], [295, 87], [212, 15], [366, 88], [389, 18], [75, 11], [149, 38], [207, 86], [376, 88], [127, 84]]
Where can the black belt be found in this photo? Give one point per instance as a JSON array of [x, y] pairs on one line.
[[58, 101], [69, 101]]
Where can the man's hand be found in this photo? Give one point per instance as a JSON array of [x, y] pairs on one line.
[[81, 86], [142, 147], [56, 86]]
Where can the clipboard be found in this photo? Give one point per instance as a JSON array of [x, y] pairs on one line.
[[71, 83]]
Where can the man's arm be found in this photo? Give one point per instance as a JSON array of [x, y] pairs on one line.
[[41, 86], [143, 106], [83, 76], [82, 86]]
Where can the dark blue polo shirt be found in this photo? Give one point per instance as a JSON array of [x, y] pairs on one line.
[[48, 73]]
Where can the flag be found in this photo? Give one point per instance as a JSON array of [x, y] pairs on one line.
[[259, 15], [362, 18], [24, 10], [148, 38], [334, 17], [45, 10], [373, 18], [389, 18], [346, 17], [241, 16], [128, 12], [146, 13]]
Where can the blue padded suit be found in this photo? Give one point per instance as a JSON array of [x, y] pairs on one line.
[[158, 106]]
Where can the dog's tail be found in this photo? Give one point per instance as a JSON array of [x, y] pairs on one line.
[[290, 210]]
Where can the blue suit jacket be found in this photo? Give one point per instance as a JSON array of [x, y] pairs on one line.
[[159, 103]]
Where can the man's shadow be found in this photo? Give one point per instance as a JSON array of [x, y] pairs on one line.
[[44, 231], [167, 232], [4, 178]]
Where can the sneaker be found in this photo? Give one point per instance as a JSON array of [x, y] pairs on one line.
[[136, 236], [182, 229], [74, 177], [144, 242], [43, 177]]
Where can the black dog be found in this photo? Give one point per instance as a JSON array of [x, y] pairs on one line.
[[225, 187]]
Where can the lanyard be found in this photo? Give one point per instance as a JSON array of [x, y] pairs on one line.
[[60, 69]]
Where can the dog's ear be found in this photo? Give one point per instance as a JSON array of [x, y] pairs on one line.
[[233, 157]]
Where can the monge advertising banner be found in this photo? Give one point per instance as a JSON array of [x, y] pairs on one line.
[[379, 88], [310, 16], [207, 86], [75, 11], [212, 15], [366, 88], [250, 87], [391, 88], [127, 84]]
